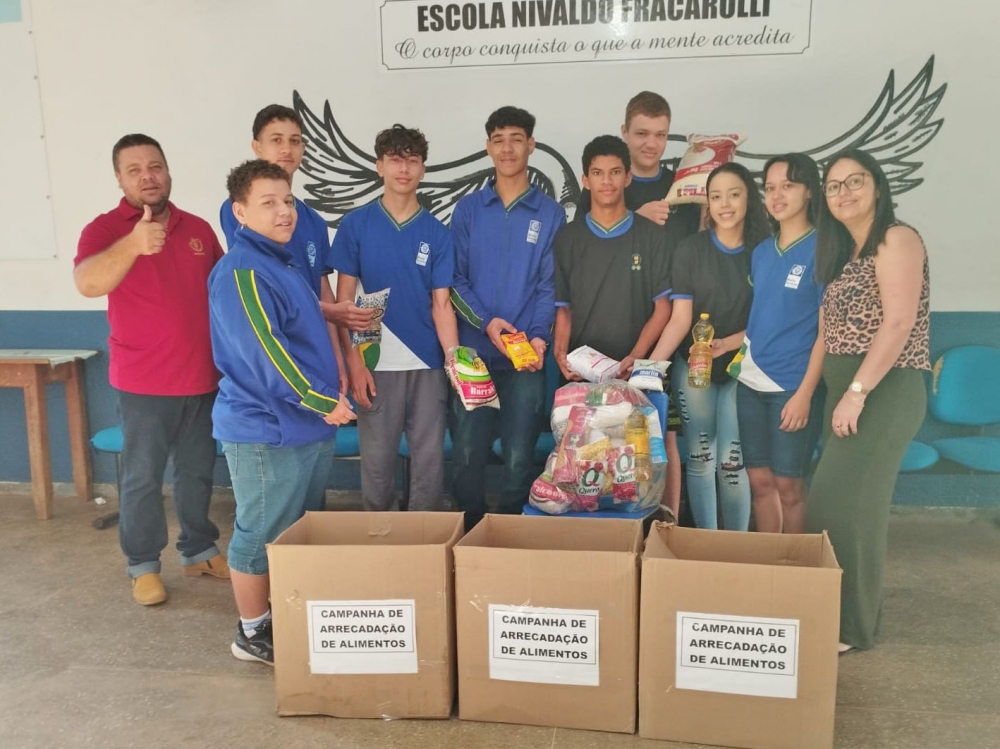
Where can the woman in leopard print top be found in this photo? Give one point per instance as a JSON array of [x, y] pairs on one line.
[[852, 309], [875, 322]]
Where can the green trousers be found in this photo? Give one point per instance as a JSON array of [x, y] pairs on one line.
[[852, 488]]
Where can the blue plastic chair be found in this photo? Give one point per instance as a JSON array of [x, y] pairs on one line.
[[404, 447], [919, 456], [111, 441], [965, 393], [347, 443]]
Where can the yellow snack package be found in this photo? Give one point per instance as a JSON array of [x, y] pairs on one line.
[[519, 349]]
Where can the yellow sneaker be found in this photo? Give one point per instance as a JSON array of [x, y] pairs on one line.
[[214, 567], [148, 590]]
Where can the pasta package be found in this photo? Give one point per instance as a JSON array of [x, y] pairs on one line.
[[519, 349], [470, 378], [378, 300], [704, 154]]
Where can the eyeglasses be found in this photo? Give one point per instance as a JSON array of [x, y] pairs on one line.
[[852, 183]]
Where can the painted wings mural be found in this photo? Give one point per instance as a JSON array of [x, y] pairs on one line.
[[341, 175]]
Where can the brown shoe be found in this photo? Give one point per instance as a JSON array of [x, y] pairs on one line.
[[214, 567], [148, 590]]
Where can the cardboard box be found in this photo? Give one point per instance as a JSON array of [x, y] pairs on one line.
[[363, 614], [738, 638], [547, 617]]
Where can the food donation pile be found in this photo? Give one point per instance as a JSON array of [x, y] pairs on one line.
[[609, 451]]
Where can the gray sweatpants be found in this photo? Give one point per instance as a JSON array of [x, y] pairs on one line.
[[414, 402]]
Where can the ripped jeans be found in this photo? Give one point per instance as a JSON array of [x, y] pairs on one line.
[[711, 426]]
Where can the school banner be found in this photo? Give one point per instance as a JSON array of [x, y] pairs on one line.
[[420, 34]]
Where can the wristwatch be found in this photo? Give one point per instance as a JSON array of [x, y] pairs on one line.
[[857, 387]]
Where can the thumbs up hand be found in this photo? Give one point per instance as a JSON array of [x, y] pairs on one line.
[[149, 235]]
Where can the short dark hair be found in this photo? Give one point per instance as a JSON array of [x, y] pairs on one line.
[[648, 104], [833, 241], [606, 145], [241, 179], [510, 117], [802, 170], [273, 112], [130, 141], [401, 141]]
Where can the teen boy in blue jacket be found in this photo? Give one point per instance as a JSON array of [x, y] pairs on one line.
[[279, 401], [504, 283], [277, 137]]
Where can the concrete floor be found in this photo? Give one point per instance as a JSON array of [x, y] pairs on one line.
[[82, 665]]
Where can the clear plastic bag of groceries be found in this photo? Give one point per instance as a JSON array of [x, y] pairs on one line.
[[609, 451]]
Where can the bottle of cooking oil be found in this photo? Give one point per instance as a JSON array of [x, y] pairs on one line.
[[637, 435], [700, 357]]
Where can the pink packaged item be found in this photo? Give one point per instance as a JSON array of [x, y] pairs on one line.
[[589, 484], [624, 486]]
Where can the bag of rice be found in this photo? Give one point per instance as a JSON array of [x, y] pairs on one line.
[[470, 378], [373, 334], [704, 153]]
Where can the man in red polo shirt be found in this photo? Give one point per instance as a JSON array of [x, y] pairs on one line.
[[152, 260]]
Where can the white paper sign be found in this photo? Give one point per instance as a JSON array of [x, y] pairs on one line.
[[737, 654], [428, 34], [362, 637], [545, 646]]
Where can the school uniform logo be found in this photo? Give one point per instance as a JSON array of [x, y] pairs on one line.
[[423, 253], [311, 254], [637, 261], [795, 276], [196, 246], [534, 227]]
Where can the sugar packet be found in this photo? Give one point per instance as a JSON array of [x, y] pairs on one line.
[[592, 365]]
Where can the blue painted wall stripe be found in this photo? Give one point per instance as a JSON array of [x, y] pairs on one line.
[[946, 485]]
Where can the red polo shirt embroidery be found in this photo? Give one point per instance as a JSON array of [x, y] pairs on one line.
[[160, 342]]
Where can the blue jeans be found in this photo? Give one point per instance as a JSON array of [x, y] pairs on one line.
[[711, 428], [274, 486], [518, 424], [154, 428]]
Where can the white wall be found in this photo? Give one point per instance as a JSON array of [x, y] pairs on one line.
[[192, 73]]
